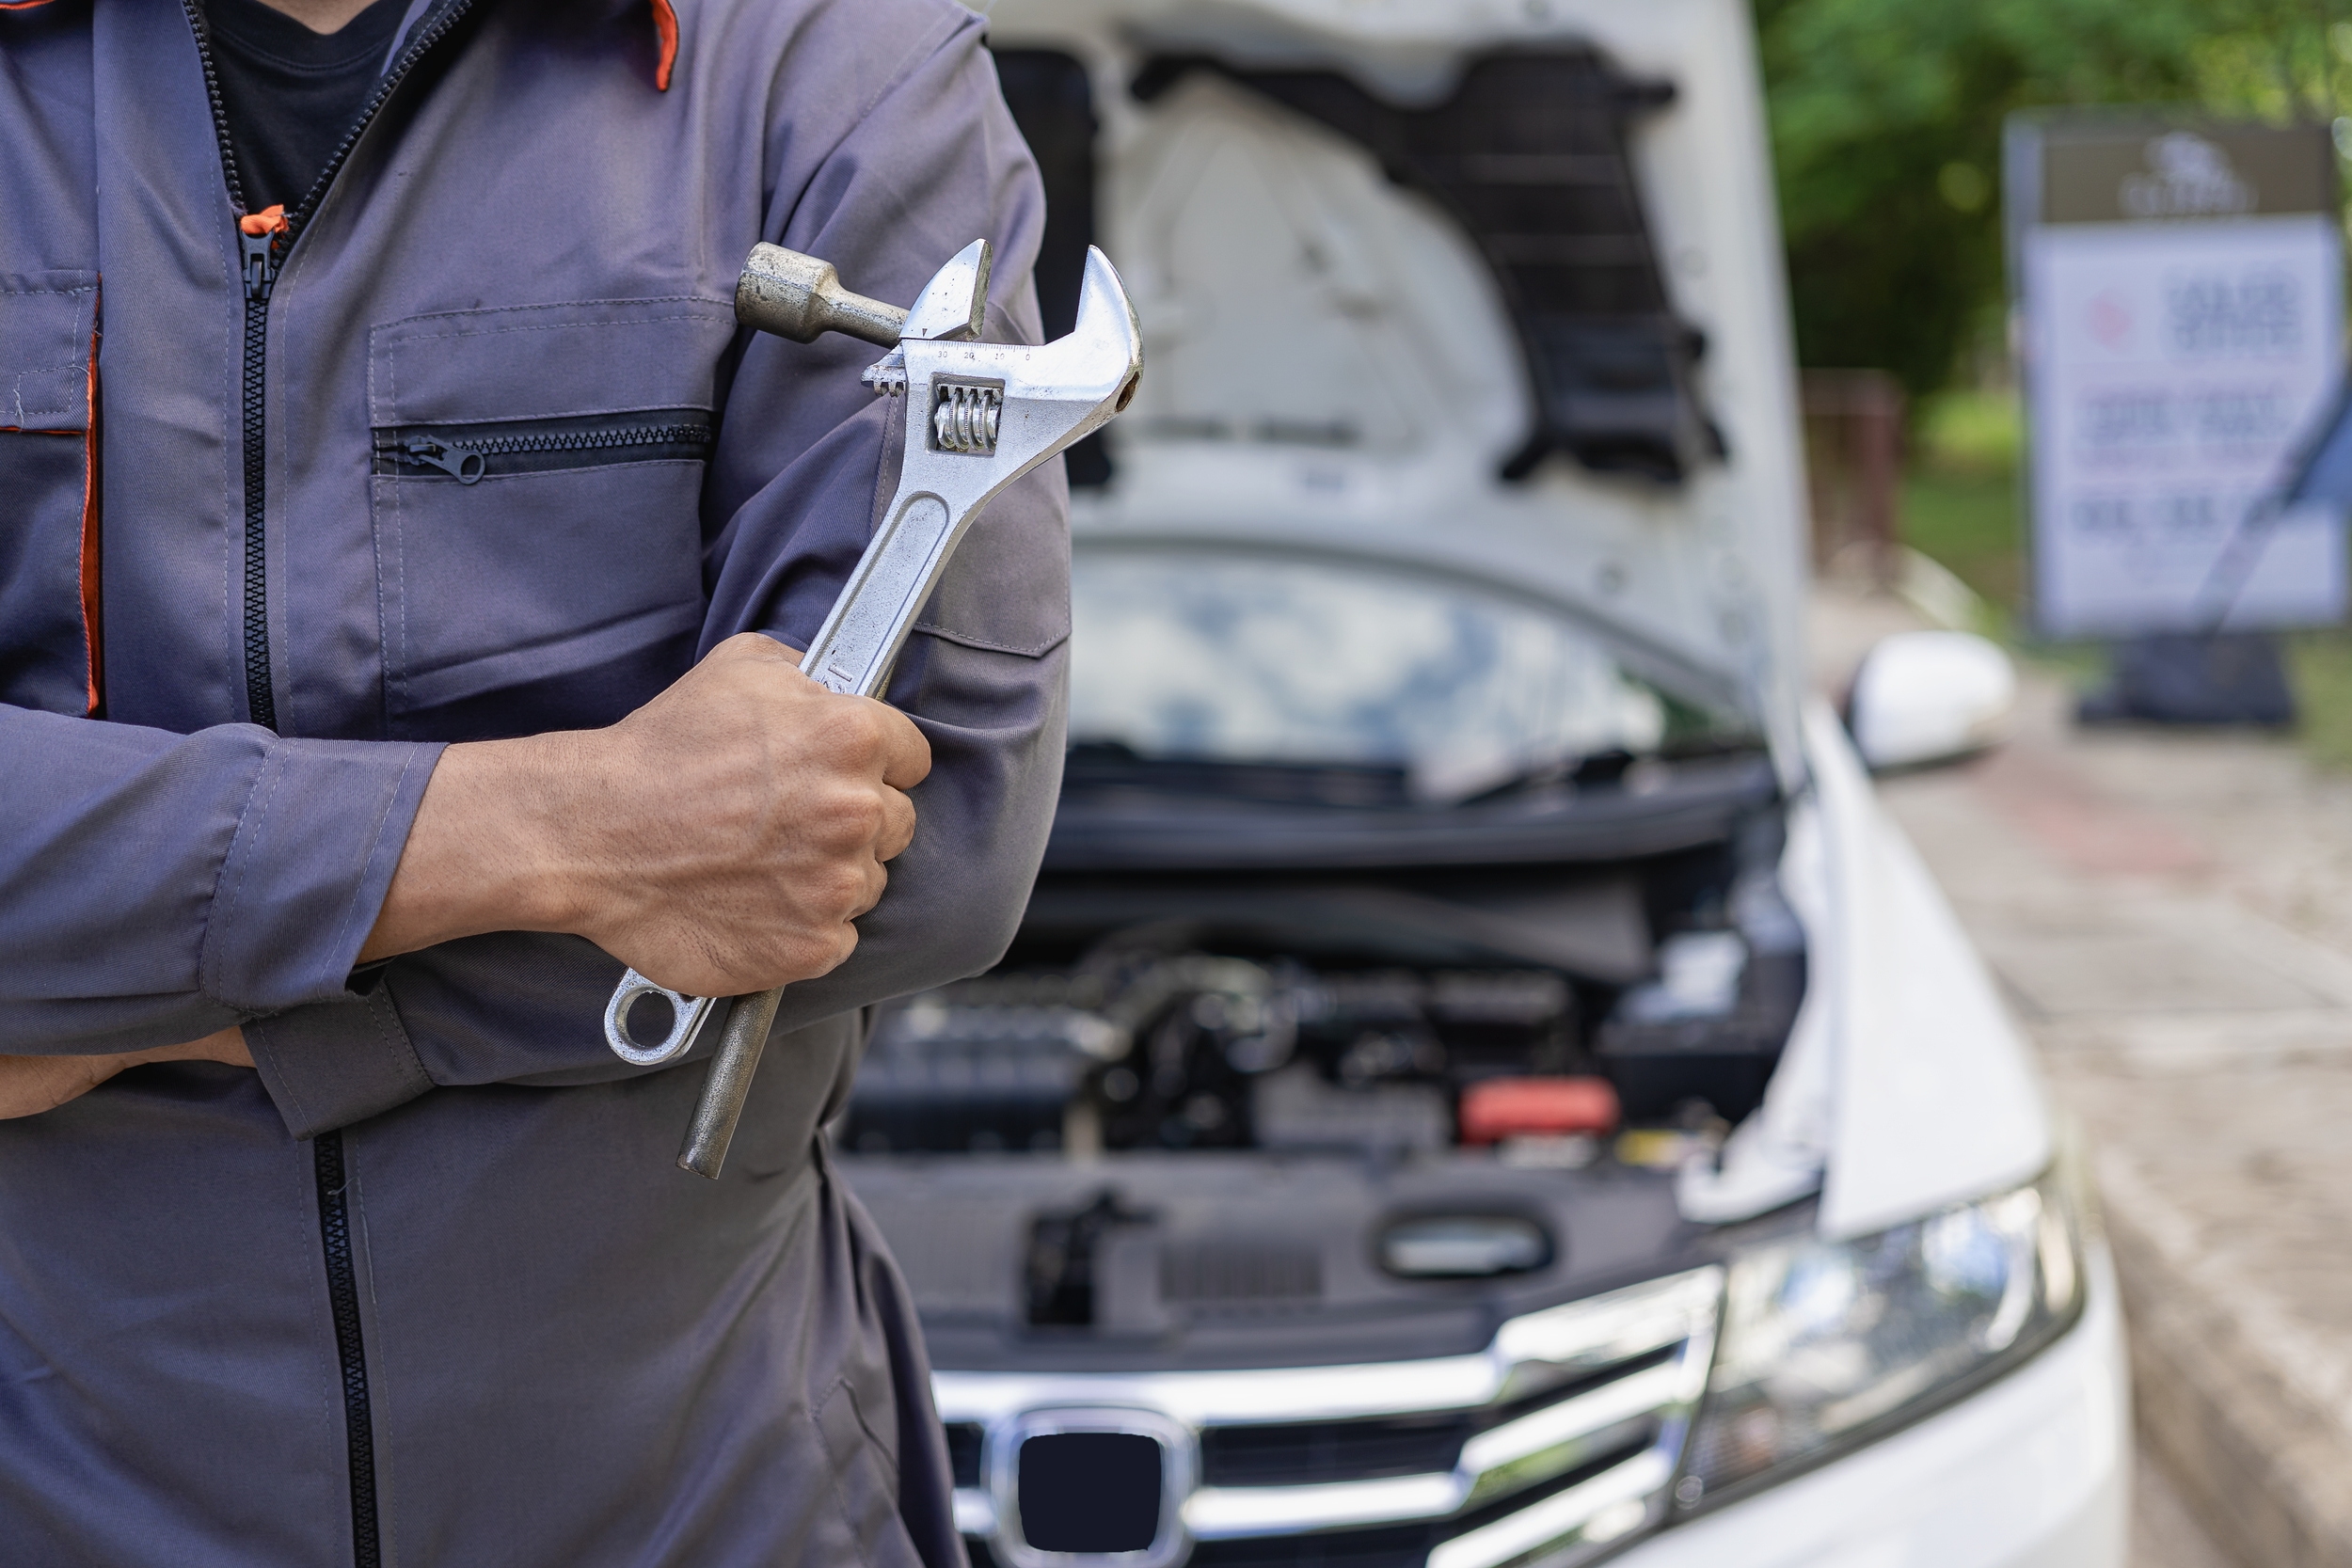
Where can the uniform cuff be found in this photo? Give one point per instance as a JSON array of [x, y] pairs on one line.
[[336, 1063], [316, 845]]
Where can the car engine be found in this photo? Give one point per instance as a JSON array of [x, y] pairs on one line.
[[1177, 1034]]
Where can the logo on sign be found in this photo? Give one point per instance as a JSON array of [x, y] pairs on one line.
[[2186, 176]]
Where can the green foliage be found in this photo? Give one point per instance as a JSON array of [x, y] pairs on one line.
[[1960, 502], [1971, 432], [2320, 665], [1887, 133]]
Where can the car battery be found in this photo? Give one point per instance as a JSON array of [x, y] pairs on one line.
[[1708, 1028]]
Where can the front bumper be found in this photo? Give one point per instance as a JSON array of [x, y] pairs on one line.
[[2031, 1472]]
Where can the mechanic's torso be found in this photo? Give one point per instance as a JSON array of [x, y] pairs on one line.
[[574, 1353], [519, 237]]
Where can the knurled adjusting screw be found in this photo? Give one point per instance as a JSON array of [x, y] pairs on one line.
[[965, 418]]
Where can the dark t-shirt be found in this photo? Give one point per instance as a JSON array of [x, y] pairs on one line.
[[291, 93]]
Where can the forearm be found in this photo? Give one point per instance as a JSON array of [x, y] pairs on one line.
[[489, 850], [719, 839], [157, 888], [31, 1084]]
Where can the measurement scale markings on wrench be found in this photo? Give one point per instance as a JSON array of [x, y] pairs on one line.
[[978, 416]]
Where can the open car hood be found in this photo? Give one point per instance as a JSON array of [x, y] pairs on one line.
[[1490, 290]]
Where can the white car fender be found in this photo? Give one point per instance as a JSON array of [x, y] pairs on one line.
[[1905, 1086], [1935, 1100]]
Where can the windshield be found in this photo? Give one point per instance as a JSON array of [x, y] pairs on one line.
[[1267, 660]]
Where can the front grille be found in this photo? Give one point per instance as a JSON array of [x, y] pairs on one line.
[[963, 1451], [1559, 1441], [1302, 1453], [1396, 1546]]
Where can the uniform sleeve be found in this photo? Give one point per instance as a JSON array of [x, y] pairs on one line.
[[156, 887], [805, 457]]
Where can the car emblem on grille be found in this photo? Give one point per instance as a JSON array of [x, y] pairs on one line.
[[1090, 1488]]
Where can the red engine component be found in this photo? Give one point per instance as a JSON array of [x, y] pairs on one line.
[[1501, 1108]]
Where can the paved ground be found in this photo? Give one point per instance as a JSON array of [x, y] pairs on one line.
[[2171, 917], [2164, 1533]]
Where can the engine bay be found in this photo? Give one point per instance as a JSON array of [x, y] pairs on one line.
[[1394, 1017]]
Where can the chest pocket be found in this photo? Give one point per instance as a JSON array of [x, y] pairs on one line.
[[536, 488], [49, 608]]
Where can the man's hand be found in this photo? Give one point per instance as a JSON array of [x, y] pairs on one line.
[[720, 840], [31, 1084]]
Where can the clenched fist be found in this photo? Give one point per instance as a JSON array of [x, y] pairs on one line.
[[720, 839]]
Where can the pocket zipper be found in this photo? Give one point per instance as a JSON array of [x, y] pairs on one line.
[[466, 453]]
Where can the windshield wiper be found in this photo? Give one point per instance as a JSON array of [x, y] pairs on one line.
[[1109, 764], [1576, 771], [1612, 769]]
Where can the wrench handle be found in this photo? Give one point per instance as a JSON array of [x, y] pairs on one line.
[[851, 654], [730, 1081], [802, 298], [977, 418]]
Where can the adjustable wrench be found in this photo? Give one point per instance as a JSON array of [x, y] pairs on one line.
[[978, 416]]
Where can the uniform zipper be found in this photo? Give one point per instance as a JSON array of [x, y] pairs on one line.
[[467, 453], [261, 256], [342, 1301], [261, 273]]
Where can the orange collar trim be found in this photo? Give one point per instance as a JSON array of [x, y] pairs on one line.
[[665, 28]]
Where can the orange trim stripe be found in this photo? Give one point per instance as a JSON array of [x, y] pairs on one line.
[[92, 634], [664, 25], [21, 5]]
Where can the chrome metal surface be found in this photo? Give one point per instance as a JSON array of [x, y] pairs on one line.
[[965, 418], [1015, 406], [953, 305], [802, 298], [721, 1104], [1591, 1515], [1052, 395], [1223, 1513], [974, 1514], [686, 1016], [1661, 1333]]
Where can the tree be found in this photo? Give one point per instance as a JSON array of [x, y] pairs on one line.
[[1886, 121]]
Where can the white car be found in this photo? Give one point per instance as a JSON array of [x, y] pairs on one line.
[[1480, 1083]]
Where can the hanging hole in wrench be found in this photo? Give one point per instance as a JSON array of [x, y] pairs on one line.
[[651, 1017], [642, 1011], [966, 416]]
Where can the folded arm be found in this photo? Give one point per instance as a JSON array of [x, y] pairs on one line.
[[722, 839]]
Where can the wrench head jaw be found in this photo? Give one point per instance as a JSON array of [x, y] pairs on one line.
[[1106, 319], [981, 415], [1069, 389], [953, 305]]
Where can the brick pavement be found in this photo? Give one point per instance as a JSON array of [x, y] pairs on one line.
[[2171, 915]]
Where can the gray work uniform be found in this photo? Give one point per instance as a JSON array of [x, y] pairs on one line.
[[427, 1288]]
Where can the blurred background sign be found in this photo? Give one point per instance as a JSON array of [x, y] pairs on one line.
[[2180, 294]]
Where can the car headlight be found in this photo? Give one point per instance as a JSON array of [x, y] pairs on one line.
[[1829, 1344]]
